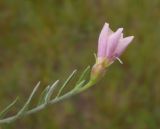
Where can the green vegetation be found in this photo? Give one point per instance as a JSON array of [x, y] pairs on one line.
[[46, 40]]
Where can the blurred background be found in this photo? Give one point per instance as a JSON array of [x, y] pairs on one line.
[[47, 39]]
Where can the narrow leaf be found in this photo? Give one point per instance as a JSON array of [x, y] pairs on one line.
[[66, 82], [50, 92], [79, 85], [6, 110], [84, 75], [43, 95], [24, 108]]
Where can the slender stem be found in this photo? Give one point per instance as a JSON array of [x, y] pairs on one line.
[[38, 108], [88, 85], [65, 96]]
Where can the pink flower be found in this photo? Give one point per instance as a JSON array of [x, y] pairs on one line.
[[111, 44]]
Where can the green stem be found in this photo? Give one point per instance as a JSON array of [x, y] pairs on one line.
[[88, 85], [63, 97]]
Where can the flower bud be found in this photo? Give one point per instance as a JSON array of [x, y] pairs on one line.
[[110, 46]]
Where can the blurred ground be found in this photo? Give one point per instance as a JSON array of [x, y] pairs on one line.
[[47, 39]]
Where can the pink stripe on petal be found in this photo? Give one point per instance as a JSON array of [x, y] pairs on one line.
[[122, 45], [102, 42], [113, 42]]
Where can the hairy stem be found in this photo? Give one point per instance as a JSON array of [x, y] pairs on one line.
[[53, 101]]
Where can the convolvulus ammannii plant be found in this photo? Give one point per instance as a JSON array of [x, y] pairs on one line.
[[110, 46]]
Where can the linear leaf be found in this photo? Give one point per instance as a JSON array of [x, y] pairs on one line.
[[66, 82], [84, 74], [50, 92], [79, 85], [43, 95], [24, 108], [6, 110]]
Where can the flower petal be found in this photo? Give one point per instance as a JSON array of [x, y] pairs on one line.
[[122, 45], [113, 42], [110, 32], [102, 42]]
